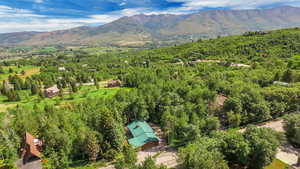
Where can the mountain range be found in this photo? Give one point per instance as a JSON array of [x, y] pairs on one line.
[[141, 30]]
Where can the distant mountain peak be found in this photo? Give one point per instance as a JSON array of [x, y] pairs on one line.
[[285, 7], [166, 29]]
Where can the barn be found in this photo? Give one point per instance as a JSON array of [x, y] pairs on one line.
[[142, 135]]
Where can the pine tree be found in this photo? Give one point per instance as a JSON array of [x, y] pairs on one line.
[[74, 87], [92, 146], [59, 85], [41, 94], [96, 83], [18, 83], [277, 76], [27, 84], [23, 72], [1, 70], [288, 76], [13, 96], [11, 70], [61, 94], [5, 87], [34, 89]]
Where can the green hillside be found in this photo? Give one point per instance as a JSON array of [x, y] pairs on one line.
[[247, 48], [200, 94]]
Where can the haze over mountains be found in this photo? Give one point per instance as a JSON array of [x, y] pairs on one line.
[[140, 30]]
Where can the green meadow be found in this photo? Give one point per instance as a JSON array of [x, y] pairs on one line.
[[29, 71], [85, 92], [277, 164]]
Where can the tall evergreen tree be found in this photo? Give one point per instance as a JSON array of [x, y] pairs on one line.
[[34, 89]]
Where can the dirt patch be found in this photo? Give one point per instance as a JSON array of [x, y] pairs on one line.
[[5, 107], [108, 167], [288, 154], [30, 72], [37, 164], [168, 158], [275, 125], [218, 103], [162, 154]]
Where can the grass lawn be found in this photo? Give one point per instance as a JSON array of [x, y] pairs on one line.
[[277, 164], [89, 92], [5, 107], [84, 93], [44, 50], [29, 71], [86, 165], [103, 50]]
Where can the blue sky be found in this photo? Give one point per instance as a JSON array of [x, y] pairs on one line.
[[49, 15]]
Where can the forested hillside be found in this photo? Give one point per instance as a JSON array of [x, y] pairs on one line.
[[177, 88]]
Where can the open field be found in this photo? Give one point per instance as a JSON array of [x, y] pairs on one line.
[[29, 71], [103, 50], [86, 165], [84, 93], [5, 107], [44, 50]]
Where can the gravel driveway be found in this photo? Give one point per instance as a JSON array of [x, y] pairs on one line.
[[286, 153]]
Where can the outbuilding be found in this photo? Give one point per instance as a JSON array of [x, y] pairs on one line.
[[114, 83], [52, 91], [62, 69]]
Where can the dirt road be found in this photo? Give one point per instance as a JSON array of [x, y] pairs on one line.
[[286, 153]]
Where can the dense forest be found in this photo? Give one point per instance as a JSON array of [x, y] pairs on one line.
[[176, 88]]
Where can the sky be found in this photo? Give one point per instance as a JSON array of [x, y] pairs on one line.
[[49, 15]]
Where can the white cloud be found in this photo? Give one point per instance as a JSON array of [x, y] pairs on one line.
[[8, 12], [15, 20], [236, 4], [34, 26], [46, 24], [39, 1]]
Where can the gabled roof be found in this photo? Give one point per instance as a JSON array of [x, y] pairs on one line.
[[52, 89], [142, 133], [32, 142]]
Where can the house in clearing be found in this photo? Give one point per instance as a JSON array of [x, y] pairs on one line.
[[62, 69], [31, 148], [114, 83], [7, 85], [280, 83], [142, 135], [218, 102], [51, 92]]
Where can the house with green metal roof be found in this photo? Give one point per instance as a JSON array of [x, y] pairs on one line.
[[142, 135]]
